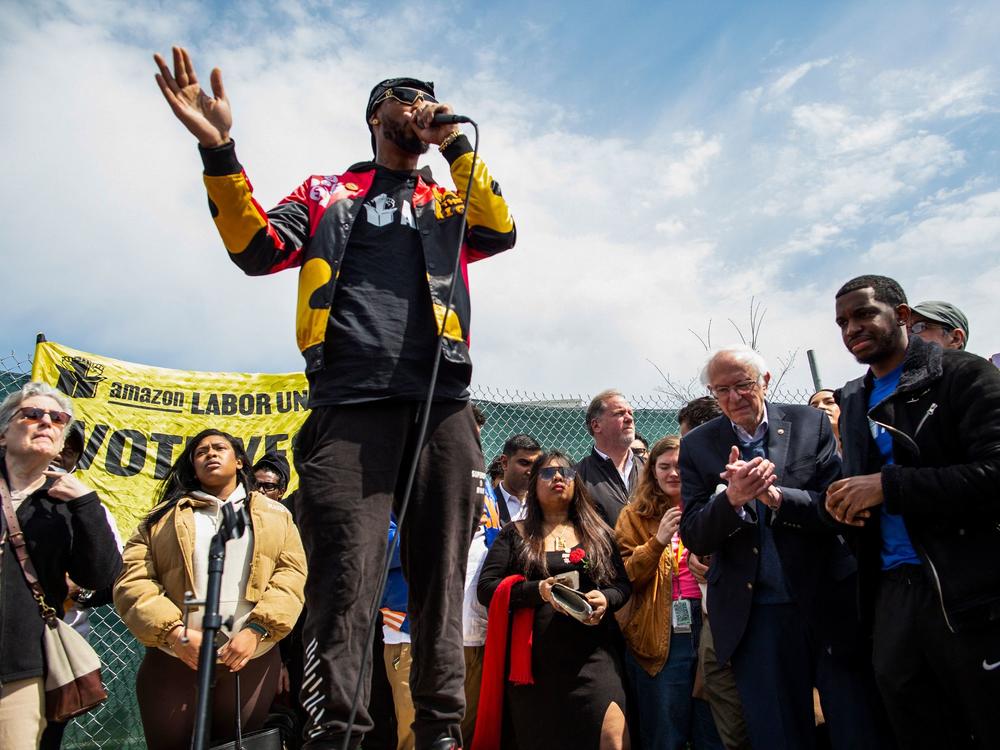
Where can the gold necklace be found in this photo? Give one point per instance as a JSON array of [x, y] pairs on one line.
[[558, 541]]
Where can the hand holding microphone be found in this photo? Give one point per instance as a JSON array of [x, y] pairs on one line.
[[433, 122]]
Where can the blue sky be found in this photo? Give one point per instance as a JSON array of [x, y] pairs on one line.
[[665, 163]]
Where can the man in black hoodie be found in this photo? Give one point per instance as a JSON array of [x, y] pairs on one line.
[[921, 442]]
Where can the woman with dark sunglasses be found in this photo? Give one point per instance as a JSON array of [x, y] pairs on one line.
[[261, 594], [66, 533], [566, 681]]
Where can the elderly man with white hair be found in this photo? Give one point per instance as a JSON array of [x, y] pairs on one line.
[[780, 583]]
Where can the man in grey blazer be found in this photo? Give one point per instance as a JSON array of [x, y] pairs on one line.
[[780, 584]]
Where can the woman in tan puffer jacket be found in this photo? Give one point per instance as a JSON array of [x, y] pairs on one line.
[[262, 593]]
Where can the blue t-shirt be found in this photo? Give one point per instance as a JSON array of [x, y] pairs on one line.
[[896, 546]]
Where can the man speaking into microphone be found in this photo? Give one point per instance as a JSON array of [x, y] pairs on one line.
[[375, 247]]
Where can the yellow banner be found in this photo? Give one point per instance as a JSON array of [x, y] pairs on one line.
[[137, 419]]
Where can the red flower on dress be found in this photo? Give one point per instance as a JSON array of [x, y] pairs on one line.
[[577, 555]]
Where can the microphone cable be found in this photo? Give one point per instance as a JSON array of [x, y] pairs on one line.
[[421, 434]]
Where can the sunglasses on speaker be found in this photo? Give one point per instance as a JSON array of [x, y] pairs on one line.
[[404, 95]]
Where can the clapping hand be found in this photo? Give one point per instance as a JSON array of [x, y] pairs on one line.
[[747, 479], [208, 118]]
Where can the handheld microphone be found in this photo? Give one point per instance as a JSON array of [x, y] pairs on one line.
[[443, 119]]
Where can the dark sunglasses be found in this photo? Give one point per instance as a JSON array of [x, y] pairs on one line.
[[548, 473], [34, 414], [404, 95], [268, 486]]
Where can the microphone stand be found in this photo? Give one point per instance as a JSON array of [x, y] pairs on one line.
[[233, 526]]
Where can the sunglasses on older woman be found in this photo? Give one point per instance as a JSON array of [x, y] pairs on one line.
[[34, 414]]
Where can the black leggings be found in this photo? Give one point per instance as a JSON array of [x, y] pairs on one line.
[[166, 690]]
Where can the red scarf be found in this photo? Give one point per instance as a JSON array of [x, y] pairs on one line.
[[490, 714]]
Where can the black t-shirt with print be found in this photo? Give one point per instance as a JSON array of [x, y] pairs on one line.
[[381, 337]]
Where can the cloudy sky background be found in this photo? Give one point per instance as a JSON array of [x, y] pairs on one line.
[[664, 164]]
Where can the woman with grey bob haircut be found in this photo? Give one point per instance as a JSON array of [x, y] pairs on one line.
[[13, 401], [66, 533]]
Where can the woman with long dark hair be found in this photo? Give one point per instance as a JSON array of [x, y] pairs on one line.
[[661, 630], [262, 591], [568, 691]]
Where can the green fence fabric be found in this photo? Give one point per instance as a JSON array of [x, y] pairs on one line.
[[554, 421]]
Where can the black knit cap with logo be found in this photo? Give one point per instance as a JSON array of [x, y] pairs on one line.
[[382, 87]]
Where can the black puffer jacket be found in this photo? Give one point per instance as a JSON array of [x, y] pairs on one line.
[[944, 418], [62, 537]]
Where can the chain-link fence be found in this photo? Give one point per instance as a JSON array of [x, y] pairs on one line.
[[555, 422]]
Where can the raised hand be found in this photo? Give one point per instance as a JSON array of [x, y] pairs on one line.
[[669, 524], [66, 487], [208, 118]]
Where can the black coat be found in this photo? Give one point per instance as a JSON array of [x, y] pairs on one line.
[[604, 484], [944, 418], [62, 538], [817, 566]]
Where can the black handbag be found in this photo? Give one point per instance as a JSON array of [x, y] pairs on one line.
[[262, 739]]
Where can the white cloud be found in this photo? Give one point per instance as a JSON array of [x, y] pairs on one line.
[[626, 240], [793, 76], [956, 233]]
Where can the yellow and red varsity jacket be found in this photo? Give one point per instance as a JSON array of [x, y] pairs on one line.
[[309, 229]]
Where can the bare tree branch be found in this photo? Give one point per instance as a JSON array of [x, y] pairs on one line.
[[738, 331], [707, 341], [786, 365]]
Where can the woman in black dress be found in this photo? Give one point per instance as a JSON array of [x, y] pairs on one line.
[[577, 698]]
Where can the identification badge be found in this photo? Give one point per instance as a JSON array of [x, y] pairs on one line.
[[681, 615]]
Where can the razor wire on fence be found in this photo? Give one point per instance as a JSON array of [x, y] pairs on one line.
[[555, 422]]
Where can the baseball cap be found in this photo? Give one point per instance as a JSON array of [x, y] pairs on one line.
[[944, 313]]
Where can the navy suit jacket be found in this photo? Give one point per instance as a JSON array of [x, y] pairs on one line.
[[802, 446]]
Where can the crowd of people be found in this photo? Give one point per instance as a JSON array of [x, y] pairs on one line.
[[772, 576], [775, 576]]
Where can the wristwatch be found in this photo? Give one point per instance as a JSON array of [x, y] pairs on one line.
[[259, 630]]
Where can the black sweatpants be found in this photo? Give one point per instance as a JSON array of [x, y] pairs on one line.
[[938, 687], [353, 463]]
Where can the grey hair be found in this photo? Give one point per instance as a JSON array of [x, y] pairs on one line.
[[13, 402], [597, 406], [742, 354]]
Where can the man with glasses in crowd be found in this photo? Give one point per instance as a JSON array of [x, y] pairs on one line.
[[377, 247], [941, 323], [780, 585]]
